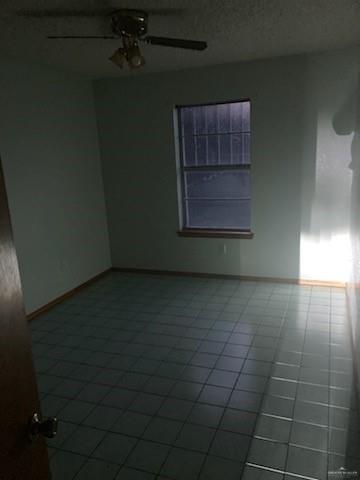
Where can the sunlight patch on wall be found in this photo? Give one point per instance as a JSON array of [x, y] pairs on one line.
[[325, 258], [325, 246]]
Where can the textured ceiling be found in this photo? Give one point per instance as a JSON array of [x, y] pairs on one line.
[[235, 30]]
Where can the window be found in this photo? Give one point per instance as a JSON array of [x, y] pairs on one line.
[[214, 168]]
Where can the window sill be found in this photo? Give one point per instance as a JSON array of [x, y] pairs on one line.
[[198, 232]]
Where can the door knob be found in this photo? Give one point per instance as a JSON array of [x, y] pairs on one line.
[[39, 426]]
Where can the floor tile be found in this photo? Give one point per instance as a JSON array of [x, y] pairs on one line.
[[206, 360], [215, 395], [115, 448], [148, 456], [230, 445], [147, 403], [215, 468], [175, 409], [231, 364], [159, 385], [251, 383], [182, 464], [186, 390], [286, 372], [208, 415], [65, 465], [311, 413], [83, 440], [47, 383], [65, 429], [76, 411], [238, 421], [215, 347], [84, 372], [133, 381], [102, 417], [195, 374], [51, 405], [261, 354], [108, 377], [311, 436], [338, 417], [195, 437], [282, 388], [119, 398], [68, 388], [242, 400], [93, 393], [162, 430], [255, 367], [268, 454], [222, 378], [307, 462], [131, 423], [147, 366], [233, 350], [169, 378], [180, 356], [170, 370], [127, 473], [97, 469], [340, 398], [62, 369], [282, 407], [122, 362], [314, 375], [241, 339], [254, 473], [272, 428]]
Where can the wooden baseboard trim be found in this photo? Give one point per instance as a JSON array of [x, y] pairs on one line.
[[293, 281], [66, 295], [148, 271]]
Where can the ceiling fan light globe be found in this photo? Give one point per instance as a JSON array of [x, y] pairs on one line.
[[118, 57], [133, 53], [136, 61]]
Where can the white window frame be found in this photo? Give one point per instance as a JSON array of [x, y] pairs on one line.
[[181, 169]]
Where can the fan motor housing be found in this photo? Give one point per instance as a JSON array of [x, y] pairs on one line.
[[129, 22]]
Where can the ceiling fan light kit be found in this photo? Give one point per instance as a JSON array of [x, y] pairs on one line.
[[130, 53], [118, 57], [128, 25]]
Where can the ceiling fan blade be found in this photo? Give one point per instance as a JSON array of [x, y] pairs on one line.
[[64, 13], [69, 37], [176, 42], [165, 11], [59, 13]]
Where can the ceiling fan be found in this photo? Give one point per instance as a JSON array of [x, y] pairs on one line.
[[128, 25]]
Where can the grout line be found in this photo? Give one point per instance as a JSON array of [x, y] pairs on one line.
[[282, 472]]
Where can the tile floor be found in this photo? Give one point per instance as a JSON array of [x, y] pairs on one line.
[[156, 377]]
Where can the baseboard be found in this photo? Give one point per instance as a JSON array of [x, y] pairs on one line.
[[75, 290], [313, 283], [66, 295]]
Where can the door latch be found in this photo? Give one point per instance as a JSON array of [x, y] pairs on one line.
[[39, 426]]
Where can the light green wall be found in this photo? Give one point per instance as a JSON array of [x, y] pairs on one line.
[[300, 207], [49, 151], [347, 123]]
